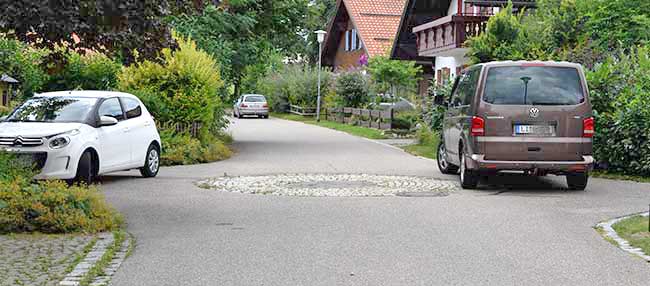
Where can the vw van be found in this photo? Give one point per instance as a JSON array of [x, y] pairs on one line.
[[527, 117]]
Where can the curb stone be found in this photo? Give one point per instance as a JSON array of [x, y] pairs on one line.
[[622, 243], [104, 241], [115, 264]]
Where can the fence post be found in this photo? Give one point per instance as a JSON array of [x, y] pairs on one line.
[[391, 119]]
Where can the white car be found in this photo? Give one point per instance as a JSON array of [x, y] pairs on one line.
[[251, 104], [78, 135]]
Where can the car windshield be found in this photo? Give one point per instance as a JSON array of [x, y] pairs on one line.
[[53, 109], [521, 85], [255, 98]]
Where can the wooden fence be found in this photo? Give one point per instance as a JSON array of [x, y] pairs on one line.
[[190, 128], [303, 111], [378, 119]]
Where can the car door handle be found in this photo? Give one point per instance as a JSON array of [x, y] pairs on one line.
[[126, 129], [147, 123]]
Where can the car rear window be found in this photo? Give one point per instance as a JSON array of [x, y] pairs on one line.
[[255, 98], [538, 85]]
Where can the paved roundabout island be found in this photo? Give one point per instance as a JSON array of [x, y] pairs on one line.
[[512, 231]]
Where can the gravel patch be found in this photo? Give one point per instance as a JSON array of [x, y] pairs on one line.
[[38, 259], [330, 185]]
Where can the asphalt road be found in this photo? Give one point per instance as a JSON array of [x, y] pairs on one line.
[[514, 231]]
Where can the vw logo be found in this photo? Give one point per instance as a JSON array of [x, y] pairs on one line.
[[533, 112]]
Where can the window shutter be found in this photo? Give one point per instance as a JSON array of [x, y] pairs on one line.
[[347, 41]]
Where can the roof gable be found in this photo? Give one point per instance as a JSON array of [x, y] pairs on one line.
[[376, 21]]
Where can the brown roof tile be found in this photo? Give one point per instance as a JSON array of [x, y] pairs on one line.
[[377, 22]]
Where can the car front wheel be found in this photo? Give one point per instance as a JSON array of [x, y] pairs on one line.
[[443, 163], [85, 172], [151, 162]]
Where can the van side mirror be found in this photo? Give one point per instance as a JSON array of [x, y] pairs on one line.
[[107, 121], [439, 99]]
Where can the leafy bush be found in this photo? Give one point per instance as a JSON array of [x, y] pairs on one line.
[[49, 206], [90, 71], [23, 63], [183, 149], [406, 120], [295, 85], [425, 136], [434, 114], [394, 76], [620, 91], [351, 90], [183, 88]]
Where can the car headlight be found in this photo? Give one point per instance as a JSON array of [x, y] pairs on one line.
[[59, 142]]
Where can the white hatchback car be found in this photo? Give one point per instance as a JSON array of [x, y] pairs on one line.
[[78, 135]]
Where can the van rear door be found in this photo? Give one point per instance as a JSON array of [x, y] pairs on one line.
[[534, 112]]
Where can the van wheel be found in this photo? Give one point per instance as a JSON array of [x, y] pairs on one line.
[[577, 181], [151, 162], [443, 164], [85, 173], [468, 178]]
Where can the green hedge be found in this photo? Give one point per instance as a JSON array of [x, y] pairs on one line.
[[49, 206]]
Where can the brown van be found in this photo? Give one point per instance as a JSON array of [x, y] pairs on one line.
[[529, 117]]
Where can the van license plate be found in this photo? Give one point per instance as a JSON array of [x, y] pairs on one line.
[[534, 130]]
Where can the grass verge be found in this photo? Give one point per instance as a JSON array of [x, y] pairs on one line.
[[98, 269], [427, 144], [616, 176], [354, 130], [635, 231]]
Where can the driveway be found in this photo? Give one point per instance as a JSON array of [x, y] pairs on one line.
[[514, 231]]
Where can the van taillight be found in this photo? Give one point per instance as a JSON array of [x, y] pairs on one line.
[[265, 105], [588, 129], [478, 126], [243, 105]]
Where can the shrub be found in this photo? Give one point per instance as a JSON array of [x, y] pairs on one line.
[[295, 85], [434, 114], [394, 76], [425, 136], [620, 91], [49, 206], [406, 119], [182, 149], [351, 90], [183, 88], [23, 63], [90, 71]]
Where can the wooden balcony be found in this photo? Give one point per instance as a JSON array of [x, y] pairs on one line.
[[446, 36]]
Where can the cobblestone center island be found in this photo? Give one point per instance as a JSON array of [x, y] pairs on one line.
[[330, 185]]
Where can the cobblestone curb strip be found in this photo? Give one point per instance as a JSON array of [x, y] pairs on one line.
[[622, 243], [330, 185], [104, 242]]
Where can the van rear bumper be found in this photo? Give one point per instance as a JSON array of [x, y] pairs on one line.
[[478, 162]]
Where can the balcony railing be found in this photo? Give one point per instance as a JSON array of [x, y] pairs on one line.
[[440, 37]]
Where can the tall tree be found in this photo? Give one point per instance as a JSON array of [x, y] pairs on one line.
[[113, 26], [242, 33]]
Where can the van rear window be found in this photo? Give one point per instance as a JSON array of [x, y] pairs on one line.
[[521, 85]]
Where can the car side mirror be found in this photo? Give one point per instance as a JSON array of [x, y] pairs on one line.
[[107, 121]]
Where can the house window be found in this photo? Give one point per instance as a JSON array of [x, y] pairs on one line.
[[352, 40], [5, 98], [443, 76]]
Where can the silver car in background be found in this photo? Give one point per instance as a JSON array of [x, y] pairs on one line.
[[251, 104]]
